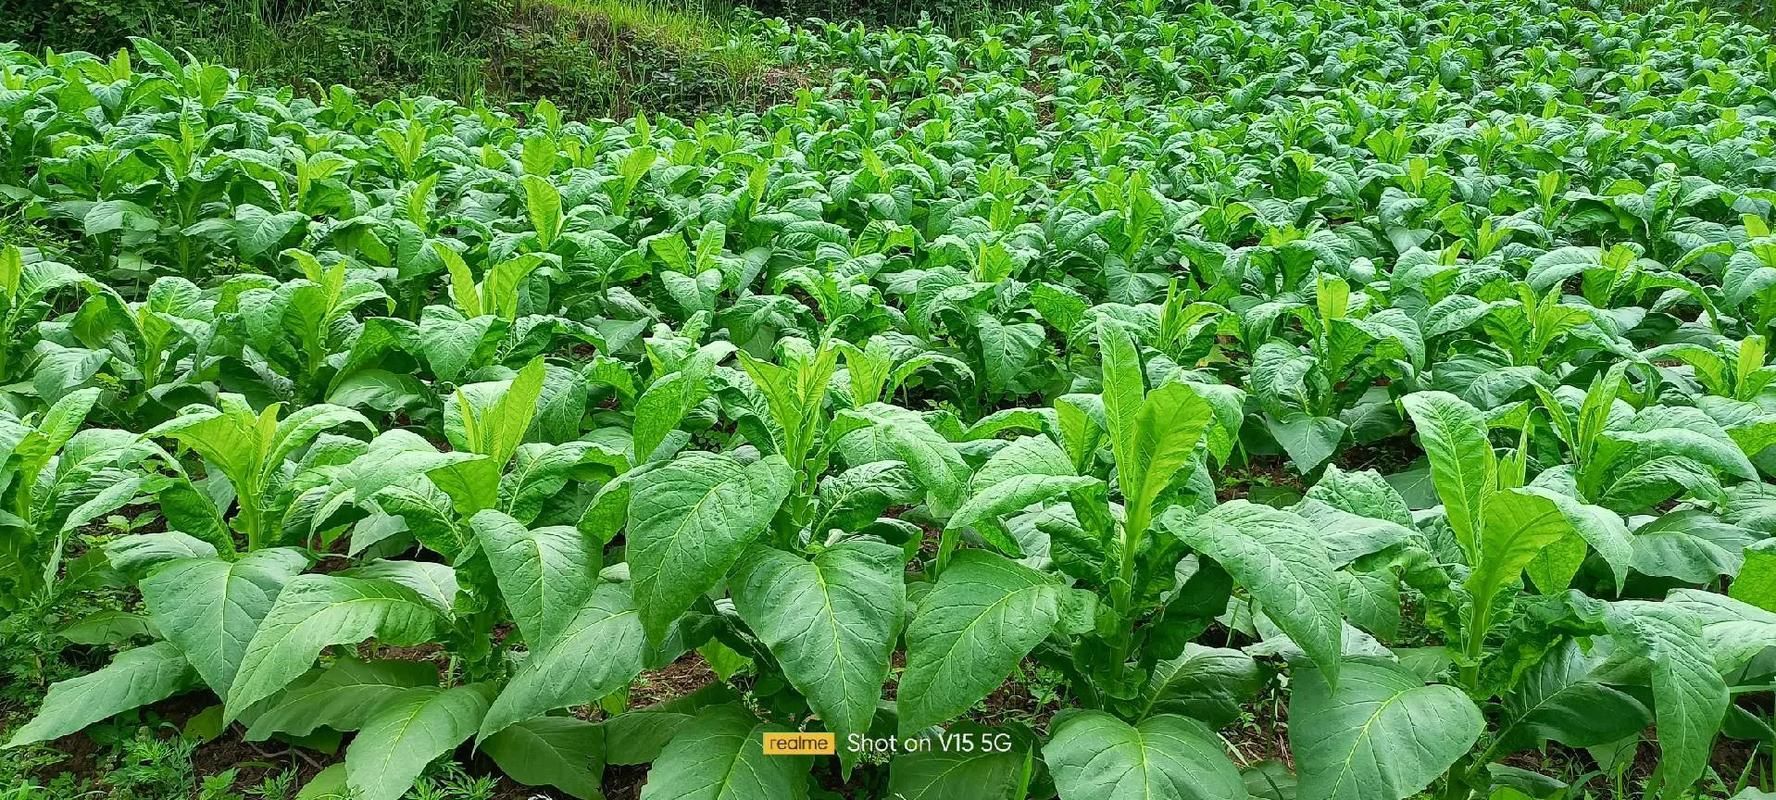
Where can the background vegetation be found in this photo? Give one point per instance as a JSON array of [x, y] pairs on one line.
[[592, 57]]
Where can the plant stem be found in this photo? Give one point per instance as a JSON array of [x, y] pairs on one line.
[[1455, 785], [1134, 531], [1475, 644], [249, 521]]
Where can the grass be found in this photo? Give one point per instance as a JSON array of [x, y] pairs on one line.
[[591, 57], [956, 17], [682, 52], [426, 45], [683, 27], [1761, 13]]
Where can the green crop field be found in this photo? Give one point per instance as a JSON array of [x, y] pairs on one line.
[[1113, 400]]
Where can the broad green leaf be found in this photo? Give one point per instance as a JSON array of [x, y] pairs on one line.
[[1308, 440], [541, 472], [794, 395], [663, 405], [1080, 418], [1463, 467], [1689, 696], [1553, 569], [451, 345], [1593, 526], [110, 216], [341, 697], [1372, 602], [1025, 455], [970, 631], [489, 419], [1516, 525], [210, 608], [328, 784], [134, 678], [408, 733], [1124, 387], [137, 554], [599, 651], [110, 627], [228, 437], [544, 575], [983, 510], [831, 622], [609, 508], [1381, 734], [500, 291], [1348, 536], [300, 427], [1555, 266], [1095, 756], [434, 582], [317, 611], [1561, 700], [879, 432], [258, 232], [1733, 632], [940, 773], [59, 370], [195, 514], [1279, 560], [393, 457], [1756, 582], [1363, 493], [463, 290], [1270, 779], [109, 499], [724, 661], [720, 756], [856, 497], [1690, 545], [59, 424], [689, 521], [1211, 684], [1168, 427], [1680, 431], [638, 735], [424, 511], [562, 752], [543, 203], [1008, 352]]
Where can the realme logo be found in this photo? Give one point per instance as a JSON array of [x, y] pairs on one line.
[[796, 743]]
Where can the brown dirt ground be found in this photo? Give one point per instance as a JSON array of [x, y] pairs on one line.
[[1235, 483], [682, 677], [1730, 760], [1386, 456], [677, 679], [1266, 737]]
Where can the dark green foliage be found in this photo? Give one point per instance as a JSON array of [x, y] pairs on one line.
[[74, 24], [340, 41], [614, 58], [591, 58], [954, 15]]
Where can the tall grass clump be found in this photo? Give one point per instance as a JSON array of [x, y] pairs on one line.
[[592, 57]]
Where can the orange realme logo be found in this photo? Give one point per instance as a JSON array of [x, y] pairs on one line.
[[796, 743]]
